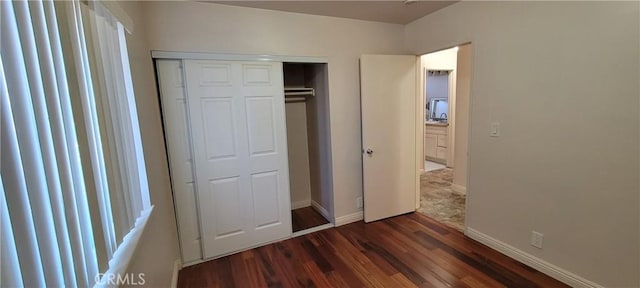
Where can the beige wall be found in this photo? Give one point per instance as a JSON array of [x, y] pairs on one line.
[[566, 163], [318, 125], [194, 26], [463, 80], [298, 152], [158, 249]]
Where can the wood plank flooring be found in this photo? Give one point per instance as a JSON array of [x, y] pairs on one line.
[[411, 250], [305, 218]]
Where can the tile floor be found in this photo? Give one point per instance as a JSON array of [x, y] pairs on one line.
[[438, 201], [430, 166]]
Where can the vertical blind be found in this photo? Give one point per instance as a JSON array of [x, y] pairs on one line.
[[42, 182], [47, 232]]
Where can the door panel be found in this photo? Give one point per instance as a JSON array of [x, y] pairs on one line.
[[224, 204], [388, 97], [239, 145], [219, 133], [265, 188], [261, 126], [174, 110]]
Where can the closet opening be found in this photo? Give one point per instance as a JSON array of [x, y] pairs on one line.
[[306, 96]]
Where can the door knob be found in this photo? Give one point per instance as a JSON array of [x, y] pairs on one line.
[[369, 151]]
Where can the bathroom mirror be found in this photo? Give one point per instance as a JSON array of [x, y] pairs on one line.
[[438, 109]]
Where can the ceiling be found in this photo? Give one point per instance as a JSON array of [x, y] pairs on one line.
[[381, 11]]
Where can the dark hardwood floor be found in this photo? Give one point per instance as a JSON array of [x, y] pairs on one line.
[[305, 218], [406, 251]]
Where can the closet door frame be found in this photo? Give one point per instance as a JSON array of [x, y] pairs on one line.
[[236, 57], [182, 56]]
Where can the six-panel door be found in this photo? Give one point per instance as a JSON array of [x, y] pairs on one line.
[[236, 114]]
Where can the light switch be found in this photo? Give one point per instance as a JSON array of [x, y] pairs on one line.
[[495, 129]]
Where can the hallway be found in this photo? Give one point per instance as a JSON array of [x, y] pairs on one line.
[[438, 201]]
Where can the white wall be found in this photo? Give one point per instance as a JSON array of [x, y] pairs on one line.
[[158, 249], [194, 26], [566, 163], [440, 60]]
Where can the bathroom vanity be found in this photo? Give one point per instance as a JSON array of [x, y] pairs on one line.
[[435, 141]]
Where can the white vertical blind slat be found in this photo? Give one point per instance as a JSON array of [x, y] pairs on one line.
[[90, 114], [11, 165], [112, 114], [53, 145], [143, 200], [83, 243], [11, 274], [127, 141], [29, 144]]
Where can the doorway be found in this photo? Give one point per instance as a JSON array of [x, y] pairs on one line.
[[445, 90]]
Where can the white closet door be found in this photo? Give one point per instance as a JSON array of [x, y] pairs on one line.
[[175, 116], [239, 146]]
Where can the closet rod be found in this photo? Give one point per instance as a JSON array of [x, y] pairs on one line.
[[299, 93]]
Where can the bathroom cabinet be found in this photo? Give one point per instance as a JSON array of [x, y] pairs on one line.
[[435, 142]]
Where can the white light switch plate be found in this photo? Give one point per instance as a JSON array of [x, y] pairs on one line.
[[495, 129]]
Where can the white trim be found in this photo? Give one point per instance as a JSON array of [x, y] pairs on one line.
[[321, 210], [177, 265], [155, 54], [312, 229], [459, 189], [120, 14], [350, 218], [545, 267], [300, 204], [240, 250], [193, 262]]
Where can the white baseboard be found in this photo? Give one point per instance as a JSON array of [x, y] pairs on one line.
[[545, 267], [300, 204], [177, 265], [312, 229], [321, 210], [459, 189], [350, 218]]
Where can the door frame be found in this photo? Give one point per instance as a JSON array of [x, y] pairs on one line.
[[420, 103], [177, 55], [181, 56]]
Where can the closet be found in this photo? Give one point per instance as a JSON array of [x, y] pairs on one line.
[[307, 119], [240, 158]]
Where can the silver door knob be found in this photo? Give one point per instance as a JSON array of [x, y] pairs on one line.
[[369, 151]]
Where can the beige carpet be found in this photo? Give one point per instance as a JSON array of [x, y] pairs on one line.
[[438, 201]]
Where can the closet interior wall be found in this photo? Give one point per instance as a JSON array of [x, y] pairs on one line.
[[309, 139]]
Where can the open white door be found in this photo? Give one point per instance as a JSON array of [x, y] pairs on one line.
[[388, 97], [240, 153]]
